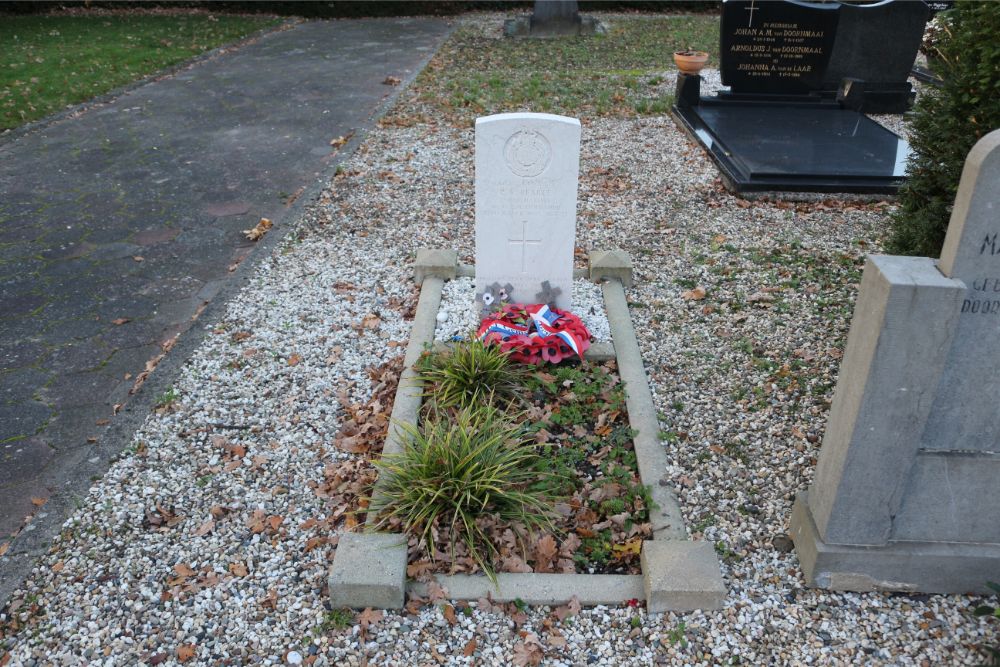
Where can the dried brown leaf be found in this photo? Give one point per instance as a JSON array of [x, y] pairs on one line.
[[184, 570], [259, 230], [529, 651], [545, 552], [369, 616], [696, 294], [436, 592], [448, 612], [205, 528]]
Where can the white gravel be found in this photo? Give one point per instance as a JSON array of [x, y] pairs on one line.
[[743, 380]]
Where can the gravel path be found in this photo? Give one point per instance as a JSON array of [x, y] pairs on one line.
[[199, 542]]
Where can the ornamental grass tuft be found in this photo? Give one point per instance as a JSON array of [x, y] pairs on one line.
[[456, 472], [470, 374]]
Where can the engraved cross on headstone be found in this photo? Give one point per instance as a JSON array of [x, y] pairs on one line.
[[752, 8], [523, 242]]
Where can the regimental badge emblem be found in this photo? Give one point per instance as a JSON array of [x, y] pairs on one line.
[[527, 153]]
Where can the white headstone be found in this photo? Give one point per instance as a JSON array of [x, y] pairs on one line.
[[527, 166]]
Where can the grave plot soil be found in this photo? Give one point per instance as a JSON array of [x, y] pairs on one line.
[[577, 416]]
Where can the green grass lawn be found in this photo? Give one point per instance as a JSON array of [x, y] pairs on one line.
[[49, 62], [617, 74]]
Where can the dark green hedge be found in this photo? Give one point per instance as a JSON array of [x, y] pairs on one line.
[[356, 8], [948, 121]]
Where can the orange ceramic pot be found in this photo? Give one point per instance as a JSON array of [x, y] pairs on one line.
[[690, 62]]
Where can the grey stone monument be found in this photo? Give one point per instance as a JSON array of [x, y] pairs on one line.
[[553, 18], [907, 488]]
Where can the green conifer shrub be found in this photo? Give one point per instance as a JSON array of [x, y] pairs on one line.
[[947, 122]]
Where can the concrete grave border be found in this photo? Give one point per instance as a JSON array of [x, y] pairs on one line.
[[677, 574]]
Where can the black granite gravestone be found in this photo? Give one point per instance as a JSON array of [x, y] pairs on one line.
[[787, 47], [776, 48], [799, 76]]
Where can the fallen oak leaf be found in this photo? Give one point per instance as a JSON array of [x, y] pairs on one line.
[[470, 648], [184, 570], [449, 614], [528, 652], [258, 231], [436, 592], [38, 502], [369, 616], [238, 569], [205, 528], [392, 81], [630, 548], [545, 552], [571, 608], [120, 321], [256, 522], [696, 294], [186, 651]]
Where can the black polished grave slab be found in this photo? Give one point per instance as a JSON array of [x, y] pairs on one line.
[[778, 147], [801, 76]]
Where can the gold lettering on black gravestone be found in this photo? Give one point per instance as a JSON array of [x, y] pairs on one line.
[[775, 47]]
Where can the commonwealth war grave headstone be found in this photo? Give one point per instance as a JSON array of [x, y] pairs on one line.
[[799, 74], [527, 167], [905, 496]]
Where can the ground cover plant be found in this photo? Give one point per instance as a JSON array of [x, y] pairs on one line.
[[49, 62], [549, 485], [618, 74], [469, 375]]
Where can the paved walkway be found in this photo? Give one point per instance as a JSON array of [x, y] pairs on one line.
[[118, 226]]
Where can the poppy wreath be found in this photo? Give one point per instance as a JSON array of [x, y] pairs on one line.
[[535, 333]]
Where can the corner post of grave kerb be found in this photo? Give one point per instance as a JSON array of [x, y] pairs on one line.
[[616, 263], [438, 263]]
